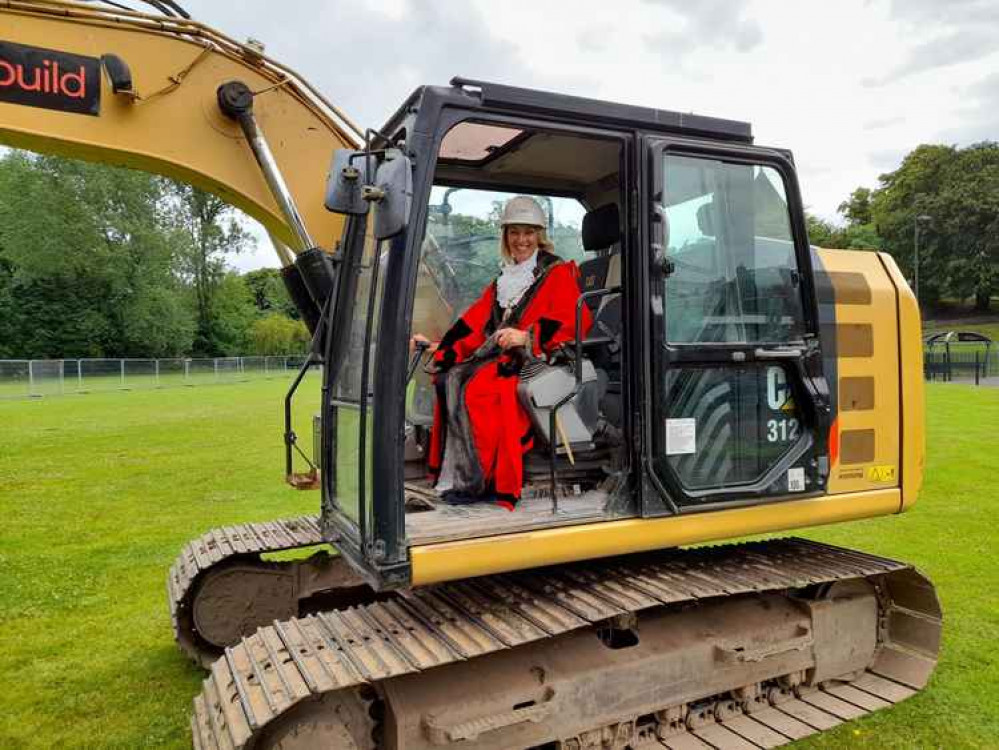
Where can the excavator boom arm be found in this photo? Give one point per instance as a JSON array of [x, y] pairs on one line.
[[65, 89]]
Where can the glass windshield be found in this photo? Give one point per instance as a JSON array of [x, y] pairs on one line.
[[734, 275], [460, 258], [460, 253]]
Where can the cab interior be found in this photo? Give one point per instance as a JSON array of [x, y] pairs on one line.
[[577, 178]]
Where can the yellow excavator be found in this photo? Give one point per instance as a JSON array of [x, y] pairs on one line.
[[735, 381]]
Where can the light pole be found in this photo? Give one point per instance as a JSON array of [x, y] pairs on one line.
[[920, 218]]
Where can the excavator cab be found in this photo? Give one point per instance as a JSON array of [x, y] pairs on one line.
[[701, 384]]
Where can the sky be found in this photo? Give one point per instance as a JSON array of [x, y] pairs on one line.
[[849, 86]]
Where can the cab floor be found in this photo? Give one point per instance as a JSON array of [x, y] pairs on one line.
[[430, 520]]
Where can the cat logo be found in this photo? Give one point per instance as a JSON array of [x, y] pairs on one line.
[[779, 396]]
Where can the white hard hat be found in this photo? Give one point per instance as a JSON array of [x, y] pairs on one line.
[[523, 210]]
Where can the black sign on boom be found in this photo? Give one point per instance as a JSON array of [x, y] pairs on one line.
[[39, 77]]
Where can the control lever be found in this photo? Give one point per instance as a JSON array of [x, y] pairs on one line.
[[421, 347]]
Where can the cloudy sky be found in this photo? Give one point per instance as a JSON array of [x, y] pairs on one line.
[[849, 86]]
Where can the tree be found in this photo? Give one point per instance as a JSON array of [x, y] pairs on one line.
[[232, 317], [861, 237], [959, 245], [462, 254], [89, 261], [9, 348], [857, 209], [821, 233], [276, 334], [99, 261], [208, 232], [969, 223], [269, 292]]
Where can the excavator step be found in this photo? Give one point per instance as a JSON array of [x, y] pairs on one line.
[[285, 664]]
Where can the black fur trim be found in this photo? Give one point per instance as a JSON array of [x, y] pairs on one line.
[[507, 368], [455, 333], [468, 474], [447, 360], [544, 261], [459, 497], [547, 328], [495, 318]]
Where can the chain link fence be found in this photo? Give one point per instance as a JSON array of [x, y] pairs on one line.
[[33, 378]]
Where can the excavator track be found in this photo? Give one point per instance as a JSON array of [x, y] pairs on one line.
[[737, 646], [220, 588]]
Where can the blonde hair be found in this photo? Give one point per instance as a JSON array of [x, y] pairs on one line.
[[545, 245]]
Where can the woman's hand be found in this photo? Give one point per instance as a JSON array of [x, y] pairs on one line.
[[420, 340], [511, 338]]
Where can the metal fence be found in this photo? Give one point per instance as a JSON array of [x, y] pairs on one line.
[[978, 365], [32, 378]]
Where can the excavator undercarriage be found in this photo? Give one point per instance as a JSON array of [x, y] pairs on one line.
[[221, 589], [746, 645]]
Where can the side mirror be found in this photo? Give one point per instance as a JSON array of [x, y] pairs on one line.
[[393, 192], [344, 183]]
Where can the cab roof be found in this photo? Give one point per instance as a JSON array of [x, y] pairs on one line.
[[475, 94]]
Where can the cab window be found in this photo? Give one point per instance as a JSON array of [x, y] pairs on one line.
[[460, 252], [734, 276]]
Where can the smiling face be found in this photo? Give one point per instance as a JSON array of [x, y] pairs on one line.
[[521, 241]]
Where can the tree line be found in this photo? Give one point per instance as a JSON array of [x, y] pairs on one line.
[[99, 261], [950, 196]]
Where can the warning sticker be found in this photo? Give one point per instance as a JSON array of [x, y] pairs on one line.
[[881, 473], [681, 436], [796, 479]]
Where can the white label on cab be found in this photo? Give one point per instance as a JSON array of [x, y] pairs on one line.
[[796, 479], [681, 436]]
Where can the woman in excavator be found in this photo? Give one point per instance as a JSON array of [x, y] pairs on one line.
[[481, 431]]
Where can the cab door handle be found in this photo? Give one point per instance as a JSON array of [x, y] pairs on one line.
[[778, 353]]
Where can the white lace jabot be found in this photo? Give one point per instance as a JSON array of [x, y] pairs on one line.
[[514, 279]]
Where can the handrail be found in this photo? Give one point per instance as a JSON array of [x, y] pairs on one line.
[[577, 386]]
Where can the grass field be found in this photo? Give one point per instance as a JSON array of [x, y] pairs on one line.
[[989, 329], [99, 492]]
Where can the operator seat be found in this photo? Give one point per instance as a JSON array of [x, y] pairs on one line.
[[601, 233]]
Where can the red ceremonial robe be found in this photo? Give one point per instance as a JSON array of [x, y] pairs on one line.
[[477, 413]]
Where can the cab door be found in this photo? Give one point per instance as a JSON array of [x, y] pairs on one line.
[[738, 404]]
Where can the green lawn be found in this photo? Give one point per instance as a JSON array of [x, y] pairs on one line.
[[989, 329], [98, 493]]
